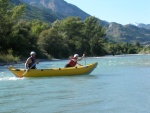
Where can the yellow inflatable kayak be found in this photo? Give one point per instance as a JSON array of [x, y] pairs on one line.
[[80, 70]]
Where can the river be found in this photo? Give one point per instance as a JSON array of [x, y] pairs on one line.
[[119, 84]]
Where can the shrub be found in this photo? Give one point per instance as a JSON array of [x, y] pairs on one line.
[[7, 58]]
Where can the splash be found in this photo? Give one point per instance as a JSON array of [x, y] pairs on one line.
[[9, 78]]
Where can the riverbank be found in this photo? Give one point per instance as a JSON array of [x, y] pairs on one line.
[[10, 63], [23, 61]]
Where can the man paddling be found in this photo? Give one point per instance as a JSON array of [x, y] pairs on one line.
[[74, 60], [31, 61]]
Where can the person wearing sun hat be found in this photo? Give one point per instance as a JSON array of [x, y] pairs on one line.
[[74, 60], [31, 61]]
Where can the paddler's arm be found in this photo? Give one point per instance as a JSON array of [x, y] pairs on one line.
[[27, 63], [81, 57]]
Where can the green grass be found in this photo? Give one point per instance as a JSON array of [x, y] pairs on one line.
[[8, 58]]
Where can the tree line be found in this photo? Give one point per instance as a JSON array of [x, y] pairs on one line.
[[59, 39]]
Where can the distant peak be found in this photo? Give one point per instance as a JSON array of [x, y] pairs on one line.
[[141, 25], [134, 23]]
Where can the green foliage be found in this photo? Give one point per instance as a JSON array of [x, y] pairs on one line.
[[8, 16], [123, 48], [38, 27], [18, 11], [52, 43], [22, 39], [7, 58], [5, 22], [94, 34], [60, 39], [145, 50]]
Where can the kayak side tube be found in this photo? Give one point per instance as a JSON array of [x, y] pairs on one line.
[[80, 70]]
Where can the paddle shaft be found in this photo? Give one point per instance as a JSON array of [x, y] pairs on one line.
[[29, 68], [85, 60]]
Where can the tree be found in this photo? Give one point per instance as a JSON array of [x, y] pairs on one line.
[[71, 31], [94, 33], [8, 17], [38, 27], [22, 40], [52, 43]]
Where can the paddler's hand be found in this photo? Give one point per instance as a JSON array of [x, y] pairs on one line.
[[83, 55], [27, 70]]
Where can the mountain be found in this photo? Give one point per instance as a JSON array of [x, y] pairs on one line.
[[58, 6], [42, 14], [141, 25], [128, 33], [51, 10]]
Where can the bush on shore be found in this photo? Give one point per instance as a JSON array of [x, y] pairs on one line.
[[9, 57]]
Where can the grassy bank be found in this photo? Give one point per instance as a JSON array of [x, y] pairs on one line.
[[8, 58]]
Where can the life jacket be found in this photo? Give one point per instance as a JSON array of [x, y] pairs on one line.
[[32, 63], [72, 62]]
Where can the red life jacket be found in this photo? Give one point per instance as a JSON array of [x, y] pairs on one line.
[[72, 62]]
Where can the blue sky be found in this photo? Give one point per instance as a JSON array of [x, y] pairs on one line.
[[120, 11]]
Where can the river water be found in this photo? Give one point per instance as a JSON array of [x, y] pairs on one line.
[[119, 84]]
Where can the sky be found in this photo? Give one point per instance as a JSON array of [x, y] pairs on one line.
[[119, 11]]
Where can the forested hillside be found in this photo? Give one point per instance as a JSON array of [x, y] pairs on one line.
[[58, 39]]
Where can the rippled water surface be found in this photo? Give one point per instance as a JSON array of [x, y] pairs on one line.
[[119, 84]]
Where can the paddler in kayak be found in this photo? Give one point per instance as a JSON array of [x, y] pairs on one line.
[[31, 61], [74, 60]]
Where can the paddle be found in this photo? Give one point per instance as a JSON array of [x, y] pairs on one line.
[[29, 69], [85, 60]]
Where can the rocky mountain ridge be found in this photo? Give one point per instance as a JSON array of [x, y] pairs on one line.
[[128, 33], [59, 6]]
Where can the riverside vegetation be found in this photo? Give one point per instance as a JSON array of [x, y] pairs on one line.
[[59, 39]]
